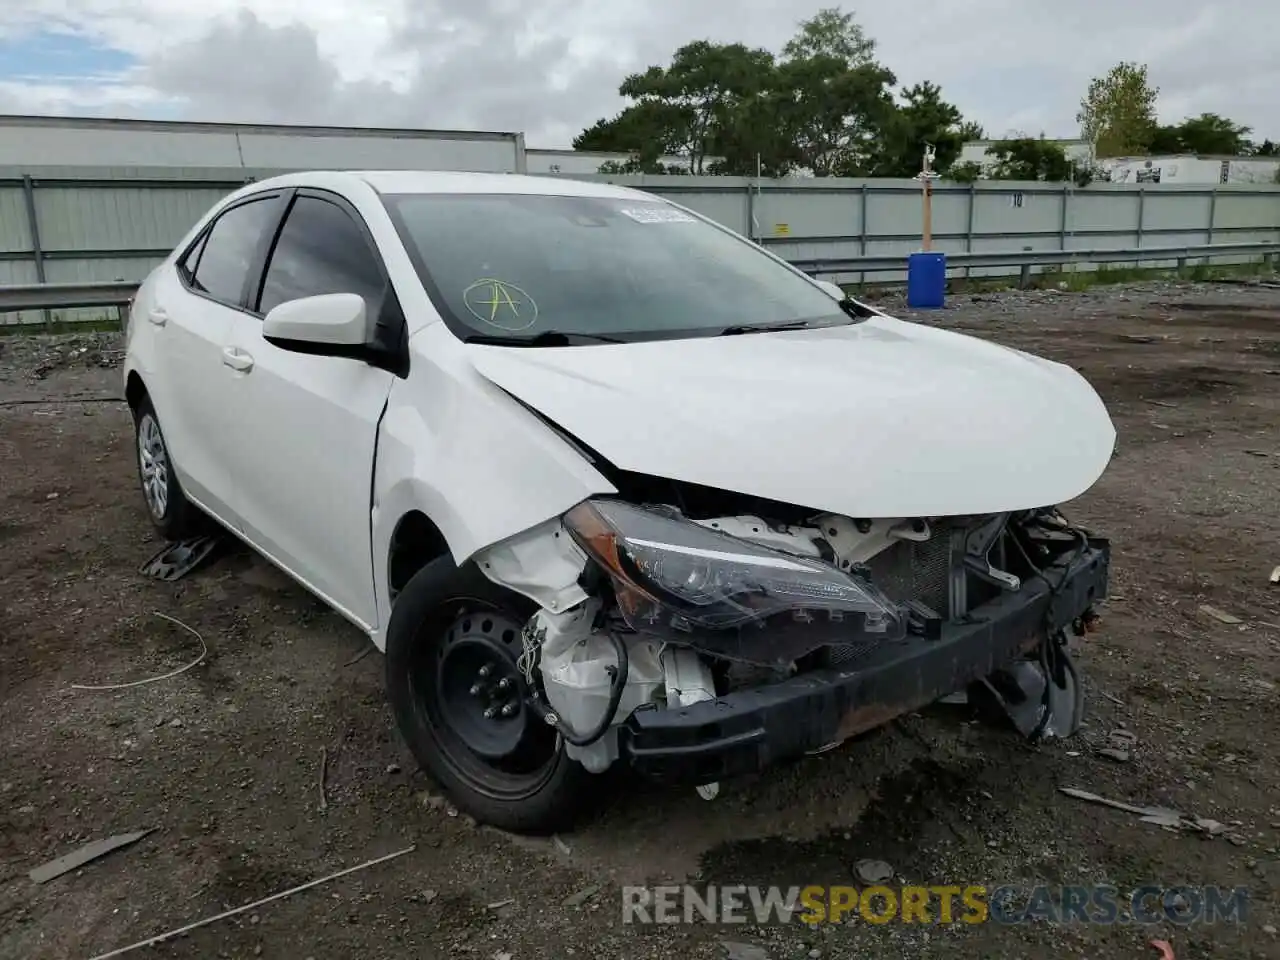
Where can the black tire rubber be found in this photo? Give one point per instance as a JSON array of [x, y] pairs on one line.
[[181, 518], [420, 619]]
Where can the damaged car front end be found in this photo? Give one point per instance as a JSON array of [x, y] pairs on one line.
[[694, 646]]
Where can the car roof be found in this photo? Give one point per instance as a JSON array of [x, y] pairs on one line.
[[432, 181]]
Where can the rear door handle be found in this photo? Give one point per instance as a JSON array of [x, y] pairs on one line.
[[158, 317], [237, 359]]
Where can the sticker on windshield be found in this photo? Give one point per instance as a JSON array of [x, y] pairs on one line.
[[500, 304], [657, 214]]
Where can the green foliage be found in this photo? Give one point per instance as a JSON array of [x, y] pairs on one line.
[[831, 33], [1118, 113], [924, 118], [831, 113], [1029, 159], [1207, 134], [826, 106], [966, 172]]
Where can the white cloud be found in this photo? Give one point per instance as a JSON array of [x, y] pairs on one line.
[[553, 67]]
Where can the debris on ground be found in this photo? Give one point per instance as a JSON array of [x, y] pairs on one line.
[[89, 350], [1275, 575], [743, 951], [175, 560], [250, 906], [1156, 816], [582, 896], [367, 649], [873, 872], [1220, 615], [85, 854], [324, 772], [1120, 744], [204, 652]]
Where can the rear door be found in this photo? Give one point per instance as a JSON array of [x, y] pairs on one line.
[[307, 425], [192, 312]]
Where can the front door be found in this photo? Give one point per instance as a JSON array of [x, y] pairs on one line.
[[308, 424]]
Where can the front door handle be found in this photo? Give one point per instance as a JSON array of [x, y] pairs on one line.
[[237, 359], [158, 317]]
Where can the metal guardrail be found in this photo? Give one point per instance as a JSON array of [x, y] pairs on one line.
[[1026, 259], [66, 296], [118, 293]]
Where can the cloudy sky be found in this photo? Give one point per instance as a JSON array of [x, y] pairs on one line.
[[551, 67]]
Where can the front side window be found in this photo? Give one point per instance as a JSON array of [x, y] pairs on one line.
[[228, 253], [517, 266], [320, 250]]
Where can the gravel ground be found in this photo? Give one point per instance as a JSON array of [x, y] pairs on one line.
[[224, 761]]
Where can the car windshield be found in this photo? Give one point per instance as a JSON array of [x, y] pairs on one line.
[[519, 267]]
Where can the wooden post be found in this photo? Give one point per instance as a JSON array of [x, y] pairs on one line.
[[927, 238], [926, 178]]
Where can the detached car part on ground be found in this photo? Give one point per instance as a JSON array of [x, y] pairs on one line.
[[609, 484]]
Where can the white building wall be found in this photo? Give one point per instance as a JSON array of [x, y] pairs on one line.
[[1189, 169], [56, 141]]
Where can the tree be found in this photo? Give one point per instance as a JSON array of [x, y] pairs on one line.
[[923, 118], [1207, 134], [685, 107], [1029, 159], [1118, 113], [966, 172], [826, 105], [969, 131], [647, 131], [831, 113], [831, 33]]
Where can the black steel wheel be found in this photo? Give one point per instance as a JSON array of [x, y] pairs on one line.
[[453, 678]]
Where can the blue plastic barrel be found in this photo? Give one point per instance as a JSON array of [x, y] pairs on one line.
[[926, 280]]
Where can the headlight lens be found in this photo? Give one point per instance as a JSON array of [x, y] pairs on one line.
[[689, 584]]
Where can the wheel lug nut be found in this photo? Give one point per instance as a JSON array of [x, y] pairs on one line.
[[490, 713], [486, 670], [504, 683], [475, 690], [508, 709]]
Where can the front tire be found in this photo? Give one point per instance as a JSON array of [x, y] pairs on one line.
[[453, 643], [172, 514]]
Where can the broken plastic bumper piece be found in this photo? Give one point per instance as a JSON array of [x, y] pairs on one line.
[[747, 730]]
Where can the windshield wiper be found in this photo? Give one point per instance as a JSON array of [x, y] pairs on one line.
[[766, 327], [547, 338], [851, 308]]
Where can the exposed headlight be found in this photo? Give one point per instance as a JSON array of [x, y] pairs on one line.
[[685, 583]]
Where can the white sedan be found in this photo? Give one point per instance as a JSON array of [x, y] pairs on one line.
[[607, 482]]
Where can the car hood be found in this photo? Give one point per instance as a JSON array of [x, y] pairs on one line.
[[881, 418]]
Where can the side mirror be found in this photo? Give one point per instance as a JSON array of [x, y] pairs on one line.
[[336, 320], [834, 289]]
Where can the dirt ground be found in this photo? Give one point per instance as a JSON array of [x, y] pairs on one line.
[[223, 761]]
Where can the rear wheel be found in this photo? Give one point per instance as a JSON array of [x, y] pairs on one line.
[[453, 644], [173, 515]]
